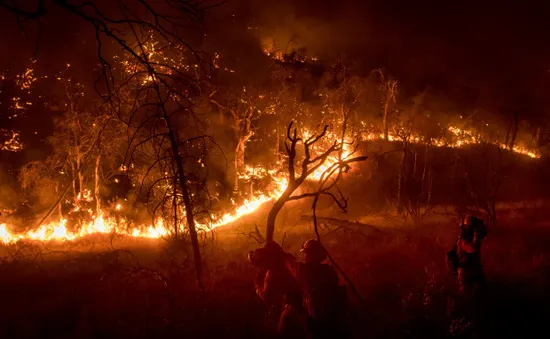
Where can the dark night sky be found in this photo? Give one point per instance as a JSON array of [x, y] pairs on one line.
[[471, 50]]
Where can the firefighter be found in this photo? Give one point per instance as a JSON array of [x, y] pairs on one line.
[[464, 259], [323, 298], [279, 291]]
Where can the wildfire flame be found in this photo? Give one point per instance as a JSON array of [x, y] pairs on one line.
[[251, 205], [58, 231], [99, 225], [12, 144], [461, 138]]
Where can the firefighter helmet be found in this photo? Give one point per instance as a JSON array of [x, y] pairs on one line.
[[314, 250]]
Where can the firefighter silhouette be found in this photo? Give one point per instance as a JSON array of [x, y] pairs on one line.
[[319, 303], [464, 260], [279, 291]]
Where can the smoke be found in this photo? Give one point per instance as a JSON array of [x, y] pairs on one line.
[[465, 49], [324, 28]]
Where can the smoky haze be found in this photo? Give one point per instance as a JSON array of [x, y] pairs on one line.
[[471, 50]]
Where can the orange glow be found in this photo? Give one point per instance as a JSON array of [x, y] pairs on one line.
[[461, 138], [57, 231], [251, 205], [13, 144]]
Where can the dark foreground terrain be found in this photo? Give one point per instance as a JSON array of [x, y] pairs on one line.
[[150, 292]]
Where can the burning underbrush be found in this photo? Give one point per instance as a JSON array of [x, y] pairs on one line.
[[102, 274]]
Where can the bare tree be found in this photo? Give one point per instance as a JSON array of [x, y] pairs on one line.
[[39, 176], [388, 88], [108, 149], [484, 173], [74, 134], [161, 120], [309, 164], [244, 109]]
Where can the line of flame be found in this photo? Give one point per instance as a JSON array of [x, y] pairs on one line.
[[100, 225]]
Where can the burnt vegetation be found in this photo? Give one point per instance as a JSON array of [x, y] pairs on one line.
[[132, 186]]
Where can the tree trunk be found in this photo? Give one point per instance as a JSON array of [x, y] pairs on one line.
[[239, 162], [73, 183], [80, 177], [96, 186], [271, 218], [175, 205], [182, 178], [507, 141], [401, 177], [515, 126], [59, 207], [80, 183], [425, 163], [345, 116], [385, 120], [277, 140]]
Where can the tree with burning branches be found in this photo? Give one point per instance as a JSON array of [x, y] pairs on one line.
[[244, 108], [166, 138], [74, 131], [37, 179], [334, 163]]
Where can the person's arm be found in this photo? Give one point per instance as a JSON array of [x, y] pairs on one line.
[[291, 264], [478, 238], [468, 246], [260, 284], [455, 245]]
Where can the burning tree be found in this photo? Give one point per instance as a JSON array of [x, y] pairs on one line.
[[388, 89], [74, 133], [245, 108], [39, 177], [157, 102], [415, 177], [153, 94], [331, 162]]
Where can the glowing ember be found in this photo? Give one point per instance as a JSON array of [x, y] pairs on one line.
[[12, 144]]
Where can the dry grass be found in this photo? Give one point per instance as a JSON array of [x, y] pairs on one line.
[[150, 292]]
